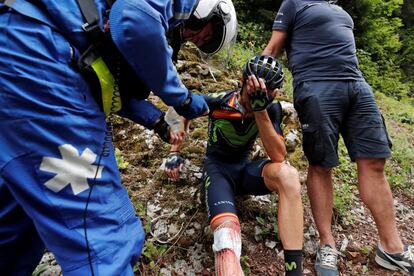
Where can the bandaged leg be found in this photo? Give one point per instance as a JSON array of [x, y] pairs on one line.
[[227, 246]]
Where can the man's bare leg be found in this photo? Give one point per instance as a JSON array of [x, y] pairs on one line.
[[320, 192], [376, 194]]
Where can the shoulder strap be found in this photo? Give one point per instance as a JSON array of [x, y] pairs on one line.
[[91, 16], [89, 11]]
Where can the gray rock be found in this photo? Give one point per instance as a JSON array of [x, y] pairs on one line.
[[270, 244]]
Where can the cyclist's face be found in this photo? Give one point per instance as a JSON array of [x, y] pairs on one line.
[[199, 37]]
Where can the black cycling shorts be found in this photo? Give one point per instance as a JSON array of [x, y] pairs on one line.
[[329, 108], [223, 180]]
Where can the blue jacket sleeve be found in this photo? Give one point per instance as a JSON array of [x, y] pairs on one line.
[[140, 36], [142, 112], [139, 32]]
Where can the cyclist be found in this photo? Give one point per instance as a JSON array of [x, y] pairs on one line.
[[236, 119], [53, 130]]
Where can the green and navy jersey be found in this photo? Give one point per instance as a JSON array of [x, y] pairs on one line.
[[230, 134]]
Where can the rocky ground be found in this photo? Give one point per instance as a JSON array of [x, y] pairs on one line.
[[178, 238]]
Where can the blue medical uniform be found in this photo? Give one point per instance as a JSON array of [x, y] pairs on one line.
[[52, 138]]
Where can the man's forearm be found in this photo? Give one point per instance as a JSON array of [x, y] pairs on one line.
[[271, 140], [276, 44]]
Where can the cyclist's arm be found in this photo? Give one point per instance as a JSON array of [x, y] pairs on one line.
[[272, 141]]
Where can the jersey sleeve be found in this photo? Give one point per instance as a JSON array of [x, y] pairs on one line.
[[276, 115], [285, 17], [215, 100]]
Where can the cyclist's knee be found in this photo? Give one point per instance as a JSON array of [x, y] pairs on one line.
[[282, 178], [290, 180]]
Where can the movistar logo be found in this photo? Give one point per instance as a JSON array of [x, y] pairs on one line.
[[258, 103], [290, 266], [173, 158], [231, 135]]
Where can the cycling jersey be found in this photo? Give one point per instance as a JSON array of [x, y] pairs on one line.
[[231, 135]]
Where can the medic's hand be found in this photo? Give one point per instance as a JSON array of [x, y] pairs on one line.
[[259, 97], [177, 138], [195, 106], [174, 165], [165, 132]]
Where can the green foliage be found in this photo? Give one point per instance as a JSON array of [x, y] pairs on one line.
[[240, 56], [244, 261], [152, 252], [380, 28], [122, 164], [253, 36], [268, 227], [259, 11], [344, 196], [384, 76], [407, 55], [366, 250]]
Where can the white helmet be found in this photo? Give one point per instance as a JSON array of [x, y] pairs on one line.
[[217, 11]]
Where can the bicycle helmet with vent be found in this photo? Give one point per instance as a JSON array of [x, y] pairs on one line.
[[267, 68]]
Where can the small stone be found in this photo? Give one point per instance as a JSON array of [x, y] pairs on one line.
[[257, 233], [165, 272], [270, 244], [197, 225]]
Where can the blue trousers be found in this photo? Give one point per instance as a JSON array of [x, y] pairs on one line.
[[51, 139]]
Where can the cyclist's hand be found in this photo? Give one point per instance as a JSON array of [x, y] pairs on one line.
[[174, 165], [259, 97]]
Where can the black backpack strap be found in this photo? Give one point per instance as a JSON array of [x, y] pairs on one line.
[[89, 11], [91, 16]]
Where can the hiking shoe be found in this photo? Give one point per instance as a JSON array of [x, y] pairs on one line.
[[404, 262], [326, 258]]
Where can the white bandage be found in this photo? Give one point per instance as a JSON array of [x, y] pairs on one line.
[[227, 238]]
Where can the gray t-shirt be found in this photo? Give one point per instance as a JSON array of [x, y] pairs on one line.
[[320, 43]]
